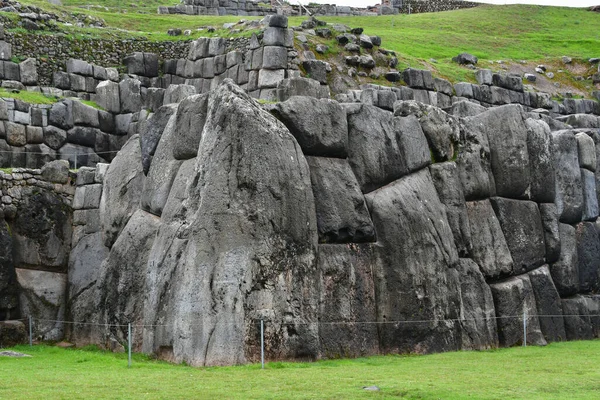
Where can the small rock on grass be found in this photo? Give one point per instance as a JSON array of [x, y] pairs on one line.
[[12, 354]]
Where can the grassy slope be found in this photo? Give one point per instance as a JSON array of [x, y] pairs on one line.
[[558, 371], [517, 32], [514, 32]]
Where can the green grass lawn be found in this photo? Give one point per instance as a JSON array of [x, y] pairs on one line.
[[568, 370]]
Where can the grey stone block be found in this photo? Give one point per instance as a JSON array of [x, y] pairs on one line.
[[79, 67], [275, 57]]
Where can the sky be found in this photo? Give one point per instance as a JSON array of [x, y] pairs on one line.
[[563, 3]]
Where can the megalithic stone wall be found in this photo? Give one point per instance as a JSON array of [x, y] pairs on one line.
[[489, 214]]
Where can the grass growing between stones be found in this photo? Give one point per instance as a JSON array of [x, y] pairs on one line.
[[558, 371], [28, 97]]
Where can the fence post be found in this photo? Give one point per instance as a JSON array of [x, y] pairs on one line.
[[129, 345], [262, 344], [524, 327], [30, 331]]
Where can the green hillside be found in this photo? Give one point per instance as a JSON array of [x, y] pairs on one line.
[[512, 33]]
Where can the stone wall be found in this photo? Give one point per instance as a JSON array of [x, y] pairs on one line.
[[256, 8], [494, 90], [35, 231], [54, 51]]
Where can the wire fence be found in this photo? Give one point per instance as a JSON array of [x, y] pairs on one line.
[[525, 317]]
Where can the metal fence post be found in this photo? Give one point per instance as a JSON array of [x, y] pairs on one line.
[[524, 327], [262, 344], [30, 331], [129, 345]]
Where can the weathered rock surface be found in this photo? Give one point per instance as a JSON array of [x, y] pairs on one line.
[[8, 287], [514, 297], [541, 166], [415, 250], [473, 161], [565, 273], [522, 227], [348, 301], [151, 131], [383, 148], [548, 305], [447, 183], [588, 256], [241, 210], [477, 312], [43, 294], [490, 250], [319, 125], [342, 214], [122, 190], [569, 195]]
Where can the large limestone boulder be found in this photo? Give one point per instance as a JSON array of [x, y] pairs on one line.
[[447, 183], [122, 190], [569, 194], [342, 214], [319, 125], [415, 249], [150, 132], [548, 304], [440, 129], [383, 148], [477, 312], [164, 167], [507, 136], [42, 294], [41, 231], [588, 256], [347, 301], [514, 299], [473, 161], [490, 250], [564, 271], [522, 227], [541, 167], [8, 287], [239, 248]]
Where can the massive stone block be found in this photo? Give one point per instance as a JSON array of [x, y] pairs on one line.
[[569, 195], [512, 299], [590, 200], [541, 167], [473, 161], [415, 249], [548, 305], [440, 129], [342, 215], [151, 131], [588, 256], [447, 183], [382, 148], [348, 301], [490, 250], [43, 295], [41, 231], [507, 135], [565, 272], [189, 122], [319, 125], [246, 251], [8, 284], [477, 312], [163, 169], [549, 216], [522, 227], [578, 324], [122, 189]]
